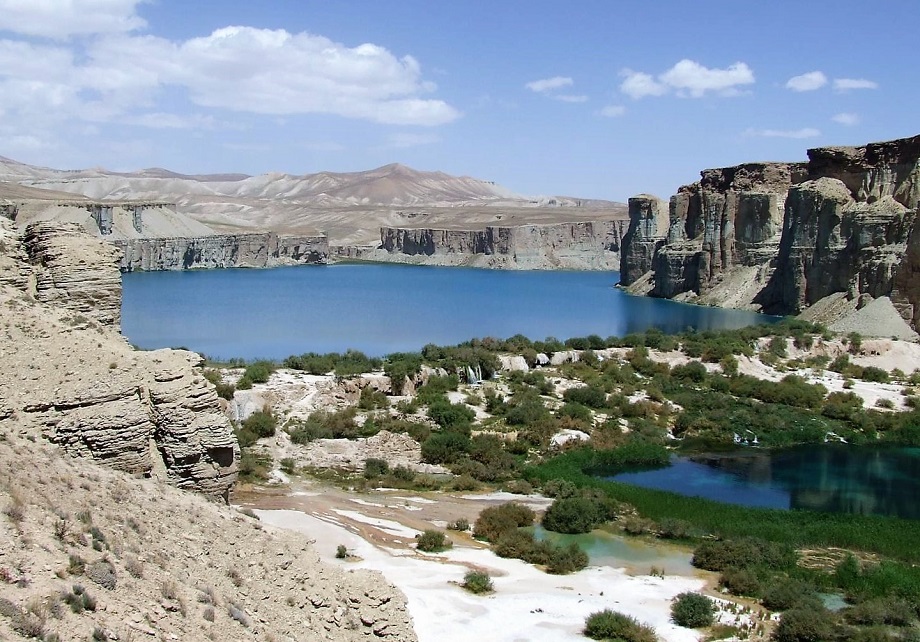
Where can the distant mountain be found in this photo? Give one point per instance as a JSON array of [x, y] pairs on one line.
[[392, 185]]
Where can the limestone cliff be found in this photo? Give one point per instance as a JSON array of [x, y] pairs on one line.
[[582, 245], [779, 237], [264, 249], [71, 377]]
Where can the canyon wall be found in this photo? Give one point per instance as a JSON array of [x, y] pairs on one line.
[[780, 237], [70, 377], [592, 245], [265, 249]]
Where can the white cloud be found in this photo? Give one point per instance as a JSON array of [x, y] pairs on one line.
[[805, 132], [807, 82], [846, 118], [242, 69], [549, 84], [846, 84], [569, 98], [62, 19], [162, 120], [638, 85], [612, 111], [687, 78]]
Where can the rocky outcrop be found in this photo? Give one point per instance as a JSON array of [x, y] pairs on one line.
[[648, 228], [779, 237], [581, 245], [70, 376], [71, 273], [221, 251]]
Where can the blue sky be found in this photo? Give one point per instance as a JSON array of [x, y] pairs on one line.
[[600, 99]]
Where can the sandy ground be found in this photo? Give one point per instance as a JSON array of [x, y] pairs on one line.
[[527, 604]]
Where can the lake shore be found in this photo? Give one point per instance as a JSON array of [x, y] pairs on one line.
[[378, 530]]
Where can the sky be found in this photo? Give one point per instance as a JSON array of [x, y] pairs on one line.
[[589, 98]]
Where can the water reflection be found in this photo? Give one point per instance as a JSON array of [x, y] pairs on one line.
[[830, 478]]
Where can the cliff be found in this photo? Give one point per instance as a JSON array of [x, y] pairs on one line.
[[593, 245], [70, 377], [221, 251], [780, 237]]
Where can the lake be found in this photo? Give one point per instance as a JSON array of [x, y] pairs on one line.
[[830, 478], [380, 309]]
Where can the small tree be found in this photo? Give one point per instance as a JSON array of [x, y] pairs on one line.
[[477, 582], [611, 625], [432, 541], [692, 610]]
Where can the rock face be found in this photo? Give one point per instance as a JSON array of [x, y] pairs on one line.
[[648, 228], [221, 251], [72, 378], [582, 245], [779, 237]]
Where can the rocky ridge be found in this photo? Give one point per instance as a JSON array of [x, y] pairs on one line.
[[581, 245], [780, 237], [70, 377]]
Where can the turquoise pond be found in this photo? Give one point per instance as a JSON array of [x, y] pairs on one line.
[[381, 309], [829, 478]]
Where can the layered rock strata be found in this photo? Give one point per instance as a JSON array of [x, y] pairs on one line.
[[581, 245], [221, 251], [69, 376], [779, 237]]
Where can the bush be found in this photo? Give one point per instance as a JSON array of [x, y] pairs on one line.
[[432, 541], [784, 594], [693, 610], [449, 415], [341, 552], [461, 524], [611, 625], [589, 396], [804, 625], [259, 371], [477, 582], [739, 581], [374, 467], [496, 520], [445, 447], [261, 423], [575, 515]]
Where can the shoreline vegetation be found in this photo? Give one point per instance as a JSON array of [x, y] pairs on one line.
[[491, 412]]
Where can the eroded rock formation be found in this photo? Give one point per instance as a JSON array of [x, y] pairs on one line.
[[221, 251], [583, 245], [70, 376], [779, 237]]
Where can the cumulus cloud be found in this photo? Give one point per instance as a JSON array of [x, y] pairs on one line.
[[846, 84], [549, 84], [61, 19], [612, 111], [846, 118], [243, 69], [805, 132], [687, 78], [807, 82]]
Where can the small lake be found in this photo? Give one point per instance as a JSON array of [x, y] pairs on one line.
[[830, 478], [619, 551], [380, 309]]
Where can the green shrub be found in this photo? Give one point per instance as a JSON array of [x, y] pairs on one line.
[[805, 625], [461, 524], [693, 610], [261, 423], [612, 625], [784, 594], [259, 371], [589, 396], [477, 582], [740, 581], [576, 515], [432, 541], [341, 552], [445, 447], [496, 520], [374, 467], [451, 416], [718, 555]]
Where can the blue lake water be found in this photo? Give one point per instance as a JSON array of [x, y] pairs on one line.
[[830, 478], [380, 309]]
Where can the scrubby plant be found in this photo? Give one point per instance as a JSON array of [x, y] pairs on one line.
[[432, 541], [496, 520], [612, 625], [804, 625], [374, 467], [477, 582], [461, 524], [341, 552], [102, 573], [692, 610]]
